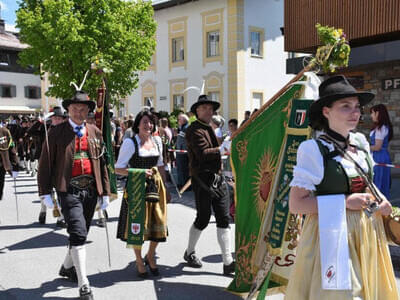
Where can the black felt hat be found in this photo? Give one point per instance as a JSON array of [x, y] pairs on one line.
[[57, 112], [80, 97], [335, 88], [203, 99]]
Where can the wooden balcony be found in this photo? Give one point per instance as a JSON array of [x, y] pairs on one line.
[[365, 22]]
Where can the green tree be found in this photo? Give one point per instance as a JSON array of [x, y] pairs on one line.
[[67, 36]]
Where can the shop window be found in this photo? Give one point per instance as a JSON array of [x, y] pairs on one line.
[[212, 43]]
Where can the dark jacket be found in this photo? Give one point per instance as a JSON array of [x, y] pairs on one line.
[[57, 172], [181, 140], [203, 148], [9, 159]]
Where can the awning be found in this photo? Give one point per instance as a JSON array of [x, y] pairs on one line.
[[16, 109]]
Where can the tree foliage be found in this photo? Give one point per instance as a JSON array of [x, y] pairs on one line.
[[67, 36]]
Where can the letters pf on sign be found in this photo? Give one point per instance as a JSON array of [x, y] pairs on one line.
[[390, 84]]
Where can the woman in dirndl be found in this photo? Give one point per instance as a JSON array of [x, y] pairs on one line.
[[144, 151], [342, 253], [381, 134]]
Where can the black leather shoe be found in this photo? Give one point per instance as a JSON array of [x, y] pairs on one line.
[[101, 222], [153, 271], [61, 224], [139, 274], [69, 273], [192, 260], [229, 269], [85, 293], [42, 218]]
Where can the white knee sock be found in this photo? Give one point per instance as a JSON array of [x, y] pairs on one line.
[[43, 207], [68, 263], [194, 235], [224, 240], [78, 254]]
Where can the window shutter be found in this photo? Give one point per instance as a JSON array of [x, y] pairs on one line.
[[26, 91], [13, 91], [38, 93]]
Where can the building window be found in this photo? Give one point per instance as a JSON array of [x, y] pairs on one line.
[[212, 43], [8, 91], [148, 101], [179, 102], [214, 96], [4, 59], [255, 43], [178, 50], [32, 92], [257, 100]]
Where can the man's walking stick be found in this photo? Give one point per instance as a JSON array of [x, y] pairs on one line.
[[108, 239], [16, 200], [174, 183], [186, 186]]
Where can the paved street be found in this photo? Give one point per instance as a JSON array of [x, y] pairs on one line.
[[31, 255]]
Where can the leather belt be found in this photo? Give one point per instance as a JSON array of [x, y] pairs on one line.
[[82, 181]]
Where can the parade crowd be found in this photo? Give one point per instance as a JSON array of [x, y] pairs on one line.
[[66, 151]]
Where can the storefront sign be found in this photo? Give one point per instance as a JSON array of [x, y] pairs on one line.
[[390, 84]]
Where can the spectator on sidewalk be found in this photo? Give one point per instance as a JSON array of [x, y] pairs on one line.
[[246, 117], [381, 134]]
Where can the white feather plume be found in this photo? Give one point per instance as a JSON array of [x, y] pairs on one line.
[[78, 89]]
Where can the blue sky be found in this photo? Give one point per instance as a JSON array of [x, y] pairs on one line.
[[8, 8]]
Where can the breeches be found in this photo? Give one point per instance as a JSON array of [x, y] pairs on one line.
[[78, 208], [204, 201]]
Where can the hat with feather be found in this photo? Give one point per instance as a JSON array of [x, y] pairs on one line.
[[80, 97], [203, 99]]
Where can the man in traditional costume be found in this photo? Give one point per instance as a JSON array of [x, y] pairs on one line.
[[9, 160], [75, 167], [209, 187], [38, 133]]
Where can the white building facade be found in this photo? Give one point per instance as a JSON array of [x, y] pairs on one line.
[[234, 46], [20, 89]]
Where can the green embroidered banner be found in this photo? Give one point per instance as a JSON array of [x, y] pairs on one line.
[[254, 156], [298, 120], [135, 192], [109, 155], [263, 156]]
